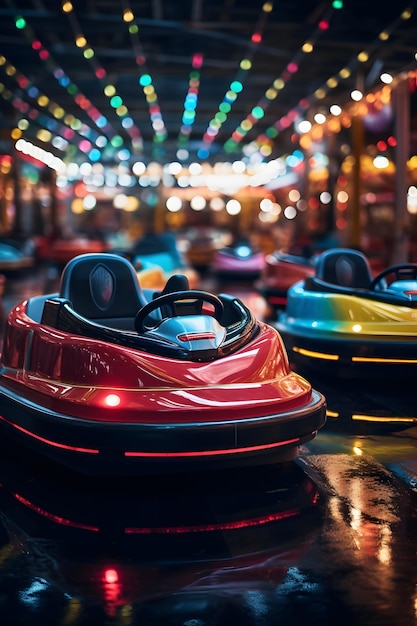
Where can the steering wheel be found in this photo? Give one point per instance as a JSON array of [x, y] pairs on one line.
[[403, 271], [172, 300]]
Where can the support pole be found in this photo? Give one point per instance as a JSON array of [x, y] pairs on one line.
[[355, 214], [401, 102]]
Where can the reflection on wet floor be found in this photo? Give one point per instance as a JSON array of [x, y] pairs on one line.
[[151, 547], [327, 538], [155, 511], [330, 538], [368, 403]]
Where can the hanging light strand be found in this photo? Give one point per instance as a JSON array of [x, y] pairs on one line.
[[100, 121], [190, 107], [331, 83], [237, 85], [146, 82], [277, 86], [70, 125], [115, 100]]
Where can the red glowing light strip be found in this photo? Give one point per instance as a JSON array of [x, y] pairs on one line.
[[200, 453], [213, 452], [248, 523], [48, 441], [196, 336], [54, 518], [168, 530]]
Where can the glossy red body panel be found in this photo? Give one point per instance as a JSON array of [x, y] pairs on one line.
[[75, 375]]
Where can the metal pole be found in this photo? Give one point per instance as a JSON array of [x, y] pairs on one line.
[[401, 102], [357, 146]]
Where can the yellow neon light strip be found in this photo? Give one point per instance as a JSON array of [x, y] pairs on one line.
[[374, 418], [332, 413], [363, 359], [316, 355], [355, 359]]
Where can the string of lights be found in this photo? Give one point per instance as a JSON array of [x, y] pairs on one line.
[[100, 121], [146, 82], [265, 139], [115, 100], [190, 106], [236, 86], [69, 127], [122, 148], [258, 111]]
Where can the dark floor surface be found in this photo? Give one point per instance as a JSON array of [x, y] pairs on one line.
[[330, 538]]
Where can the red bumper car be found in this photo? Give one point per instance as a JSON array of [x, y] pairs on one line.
[[106, 378]]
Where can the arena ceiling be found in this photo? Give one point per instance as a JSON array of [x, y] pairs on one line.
[[213, 78]]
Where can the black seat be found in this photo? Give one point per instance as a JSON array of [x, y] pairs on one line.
[[104, 288], [179, 283], [176, 282], [344, 267]]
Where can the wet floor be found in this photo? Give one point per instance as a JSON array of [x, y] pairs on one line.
[[330, 538]]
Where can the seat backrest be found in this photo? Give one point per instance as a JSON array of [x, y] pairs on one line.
[[102, 287], [345, 267], [176, 282]]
